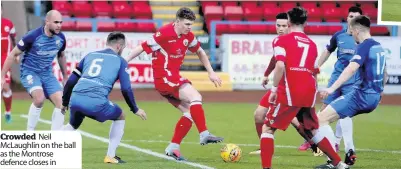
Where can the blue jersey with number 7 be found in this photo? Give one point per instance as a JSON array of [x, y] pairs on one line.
[[371, 57], [99, 71]]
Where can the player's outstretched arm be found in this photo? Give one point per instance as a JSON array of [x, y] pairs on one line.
[[71, 82], [323, 57], [62, 62], [9, 61], [206, 63], [348, 72], [135, 52], [127, 92]]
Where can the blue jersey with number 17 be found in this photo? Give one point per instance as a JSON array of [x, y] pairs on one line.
[[370, 55], [99, 71]]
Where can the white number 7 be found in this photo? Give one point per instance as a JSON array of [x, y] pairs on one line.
[[304, 53], [379, 56]]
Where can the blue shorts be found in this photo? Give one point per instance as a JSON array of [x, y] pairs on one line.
[[343, 90], [99, 109], [44, 80], [355, 102]]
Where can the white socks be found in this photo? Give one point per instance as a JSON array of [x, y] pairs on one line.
[[68, 127], [116, 134], [344, 129], [347, 130], [33, 117], [57, 119]]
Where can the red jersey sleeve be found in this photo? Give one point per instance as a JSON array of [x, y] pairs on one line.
[[194, 45], [12, 30], [279, 49], [153, 43]]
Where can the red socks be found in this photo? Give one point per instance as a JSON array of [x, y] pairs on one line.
[[181, 129], [267, 149], [198, 115]]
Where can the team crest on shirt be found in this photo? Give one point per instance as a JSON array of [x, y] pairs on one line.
[[185, 42], [58, 43], [157, 34], [7, 29], [271, 121], [29, 78], [21, 43]]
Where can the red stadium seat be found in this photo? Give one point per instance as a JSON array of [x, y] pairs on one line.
[[336, 20], [332, 13], [105, 26], [314, 12], [233, 13], [142, 10], [145, 27], [269, 4], [371, 12], [308, 4], [68, 25], [228, 3], [64, 7], [314, 20], [270, 13], [258, 29], [84, 26], [213, 13], [271, 29], [333, 29], [209, 3], [316, 30], [379, 30], [82, 9], [126, 26], [328, 4], [121, 9], [286, 6], [238, 29], [102, 8], [253, 13], [249, 4]]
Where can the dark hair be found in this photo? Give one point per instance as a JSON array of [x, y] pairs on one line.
[[361, 20], [115, 37], [282, 16], [297, 15], [186, 13], [355, 9]]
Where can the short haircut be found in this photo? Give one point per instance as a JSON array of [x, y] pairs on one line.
[[355, 9], [282, 16], [185, 13], [297, 15], [361, 20], [115, 37]]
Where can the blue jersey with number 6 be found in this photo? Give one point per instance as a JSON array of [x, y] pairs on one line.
[[370, 55], [99, 71]]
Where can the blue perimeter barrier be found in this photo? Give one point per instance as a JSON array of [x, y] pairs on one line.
[[213, 37]]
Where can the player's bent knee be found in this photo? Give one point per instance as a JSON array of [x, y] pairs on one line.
[[122, 116], [260, 114], [268, 129], [38, 98], [6, 87], [327, 116]]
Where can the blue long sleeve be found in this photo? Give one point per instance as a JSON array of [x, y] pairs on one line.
[[126, 87]]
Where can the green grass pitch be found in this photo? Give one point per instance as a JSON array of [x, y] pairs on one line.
[[377, 138], [391, 10]]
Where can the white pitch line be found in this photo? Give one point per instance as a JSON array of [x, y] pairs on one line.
[[257, 145], [132, 147]]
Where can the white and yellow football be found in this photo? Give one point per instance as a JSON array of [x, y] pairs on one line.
[[231, 153]]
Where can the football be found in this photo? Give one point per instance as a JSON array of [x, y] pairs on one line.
[[231, 153]]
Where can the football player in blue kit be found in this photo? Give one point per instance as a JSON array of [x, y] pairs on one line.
[[40, 47], [86, 92], [370, 61]]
